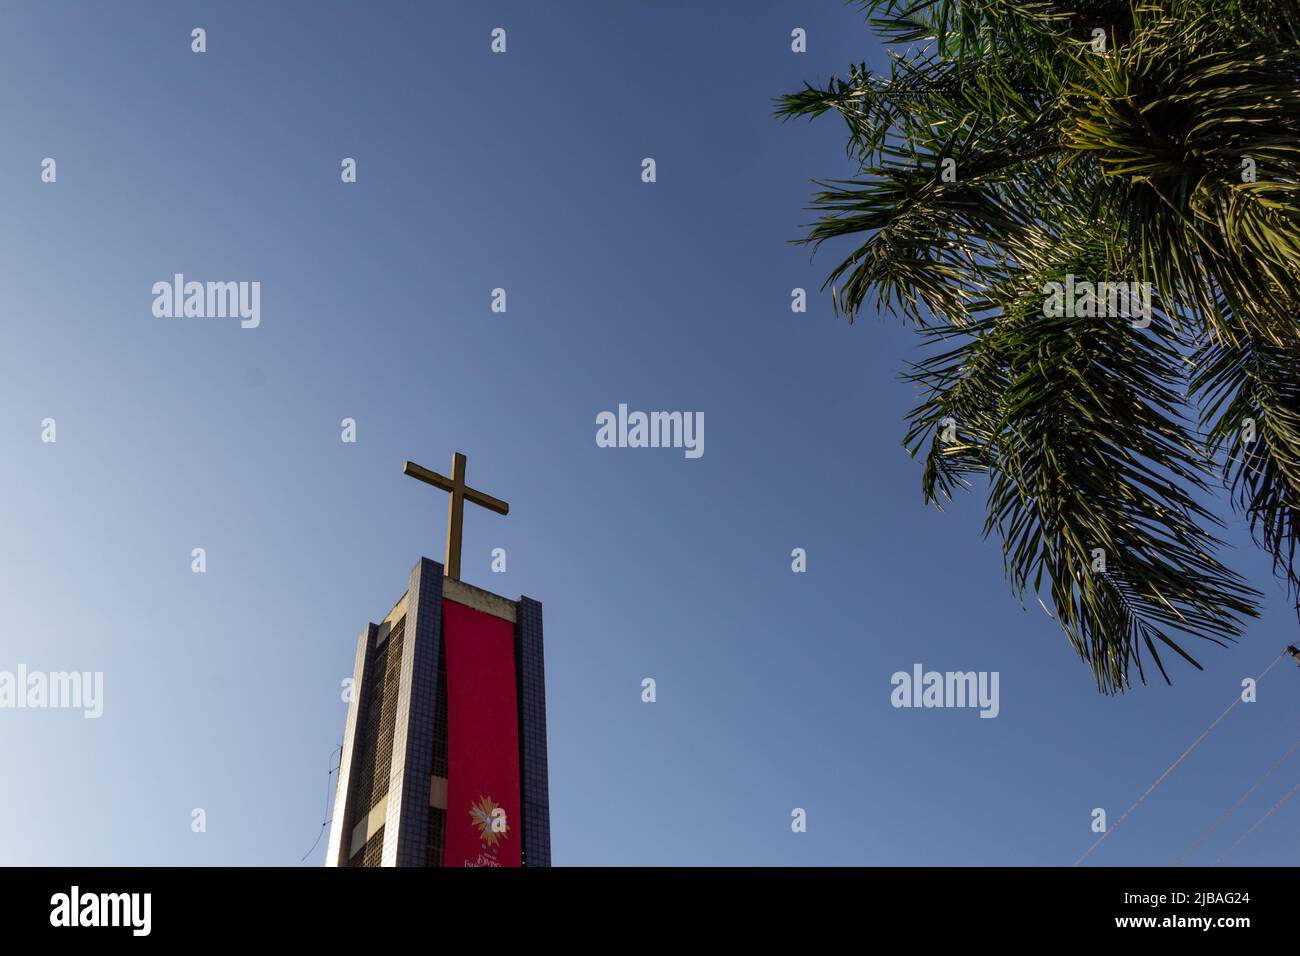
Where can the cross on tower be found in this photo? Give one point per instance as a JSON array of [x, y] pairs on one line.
[[460, 493]]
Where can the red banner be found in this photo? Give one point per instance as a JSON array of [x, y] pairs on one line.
[[483, 808]]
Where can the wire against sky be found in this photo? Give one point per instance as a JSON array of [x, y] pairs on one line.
[[1290, 793], [1236, 806], [1173, 766]]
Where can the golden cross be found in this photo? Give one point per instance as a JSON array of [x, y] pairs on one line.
[[460, 493]]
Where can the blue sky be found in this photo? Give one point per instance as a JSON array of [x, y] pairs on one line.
[[519, 171]]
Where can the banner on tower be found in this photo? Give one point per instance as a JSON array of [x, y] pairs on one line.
[[483, 806]]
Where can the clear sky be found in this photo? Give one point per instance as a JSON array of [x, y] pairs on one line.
[[520, 171]]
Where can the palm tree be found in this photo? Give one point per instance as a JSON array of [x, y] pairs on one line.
[[1015, 144]]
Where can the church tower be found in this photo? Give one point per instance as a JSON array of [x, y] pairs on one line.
[[444, 751]]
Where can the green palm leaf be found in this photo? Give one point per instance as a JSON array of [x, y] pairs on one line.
[[1014, 144]]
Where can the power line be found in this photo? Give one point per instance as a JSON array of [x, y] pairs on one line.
[[1290, 793], [1237, 806], [329, 778], [1172, 767]]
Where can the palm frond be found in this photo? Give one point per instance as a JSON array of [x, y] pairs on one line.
[[1147, 141]]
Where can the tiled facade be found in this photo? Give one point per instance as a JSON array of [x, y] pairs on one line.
[[407, 824], [530, 677], [350, 757], [395, 739]]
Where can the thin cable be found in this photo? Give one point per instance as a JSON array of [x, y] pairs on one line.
[[1290, 793], [1172, 767], [1236, 806], [328, 778]]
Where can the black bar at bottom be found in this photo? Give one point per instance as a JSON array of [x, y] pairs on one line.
[[308, 905]]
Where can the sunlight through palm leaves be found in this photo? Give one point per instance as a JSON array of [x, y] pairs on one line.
[[1015, 146]]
